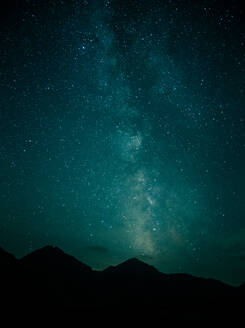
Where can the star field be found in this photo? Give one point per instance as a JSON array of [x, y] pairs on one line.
[[122, 132]]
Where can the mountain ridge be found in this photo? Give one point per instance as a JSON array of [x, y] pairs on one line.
[[132, 266], [50, 278], [52, 255], [6, 257], [131, 262]]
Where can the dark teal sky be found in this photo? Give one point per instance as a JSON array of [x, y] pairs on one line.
[[122, 132]]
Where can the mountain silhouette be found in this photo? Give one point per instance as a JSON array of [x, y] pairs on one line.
[[6, 258], [50, 271], [50, 279], [132, 267], [53, 258]]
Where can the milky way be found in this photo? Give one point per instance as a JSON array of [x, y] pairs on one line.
[[122, 132]]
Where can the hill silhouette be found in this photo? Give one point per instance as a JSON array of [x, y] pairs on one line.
[[53, 259], [50, 279], [6, 258], [132, 267]]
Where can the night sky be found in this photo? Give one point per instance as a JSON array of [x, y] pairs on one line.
[[122, 128]]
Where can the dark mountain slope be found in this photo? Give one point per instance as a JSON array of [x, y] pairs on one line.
[[54, 259], [49, 279], [6, 258], [133, 267]]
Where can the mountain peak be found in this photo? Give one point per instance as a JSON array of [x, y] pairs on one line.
[[134, 263], [134, 260], [53, 257], [133, 266], [50, 249]]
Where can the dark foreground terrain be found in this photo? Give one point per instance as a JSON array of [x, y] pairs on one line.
[[48, 280]]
